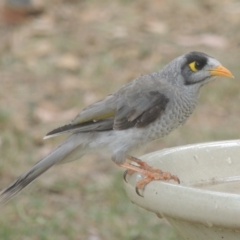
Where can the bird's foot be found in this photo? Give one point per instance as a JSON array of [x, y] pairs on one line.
[[140, 164], [144, 165], [149, 172], [151, 176]]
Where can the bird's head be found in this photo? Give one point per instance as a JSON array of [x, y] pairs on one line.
[[199, 68]]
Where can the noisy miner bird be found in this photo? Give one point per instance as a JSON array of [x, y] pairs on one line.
[[141, 111]]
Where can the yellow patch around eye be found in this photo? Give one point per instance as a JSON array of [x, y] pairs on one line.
[[192, 66]]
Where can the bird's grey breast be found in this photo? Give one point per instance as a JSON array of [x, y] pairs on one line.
[[180, 106]]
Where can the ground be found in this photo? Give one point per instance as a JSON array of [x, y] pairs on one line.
[[75, 53]]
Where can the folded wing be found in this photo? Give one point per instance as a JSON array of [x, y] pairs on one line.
[[134, 105]]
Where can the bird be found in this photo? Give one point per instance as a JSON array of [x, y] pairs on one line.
[[144, 109]]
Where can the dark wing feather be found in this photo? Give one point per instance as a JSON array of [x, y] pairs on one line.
[[153, 113], [136, 104], [99, 125], [144, 112]]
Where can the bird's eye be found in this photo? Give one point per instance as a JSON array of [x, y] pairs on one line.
[[196, 66]]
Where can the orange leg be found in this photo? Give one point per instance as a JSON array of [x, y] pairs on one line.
[[149, 172], [165, 176], [143, 164]]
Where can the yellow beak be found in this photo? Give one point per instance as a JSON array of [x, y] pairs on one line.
[[221, 71]]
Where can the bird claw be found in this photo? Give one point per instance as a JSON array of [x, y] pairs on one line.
[[125, 176], [176, 179], [137, 191], [149, 172], [127, 172], [151, 176]]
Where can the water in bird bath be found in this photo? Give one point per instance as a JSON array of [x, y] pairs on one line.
[[227, 185]]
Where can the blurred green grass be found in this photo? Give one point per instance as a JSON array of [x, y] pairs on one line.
[[75, 53]]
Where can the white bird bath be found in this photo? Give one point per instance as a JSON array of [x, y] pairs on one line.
[[206, 205]]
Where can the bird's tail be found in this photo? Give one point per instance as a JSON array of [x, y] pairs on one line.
[[58, 155]]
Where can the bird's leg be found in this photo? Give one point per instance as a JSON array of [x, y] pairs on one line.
[[149, 172], [131, 169], [140, 163], [151, 176], [143, 164]]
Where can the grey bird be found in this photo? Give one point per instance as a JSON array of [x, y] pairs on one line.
[[141, 111]]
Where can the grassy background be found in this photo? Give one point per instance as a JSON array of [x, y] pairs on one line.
[[75, 53]]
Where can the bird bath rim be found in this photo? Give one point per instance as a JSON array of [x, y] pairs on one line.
[[188, 201]]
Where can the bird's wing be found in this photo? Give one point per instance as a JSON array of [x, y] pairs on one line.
[[102, 109], [136, 104], [96, 117], [140, 104]]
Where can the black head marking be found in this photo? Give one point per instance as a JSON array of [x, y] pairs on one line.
[[200, 61], [198, 57]]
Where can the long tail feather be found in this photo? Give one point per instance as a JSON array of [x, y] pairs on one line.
[[56, 156]]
